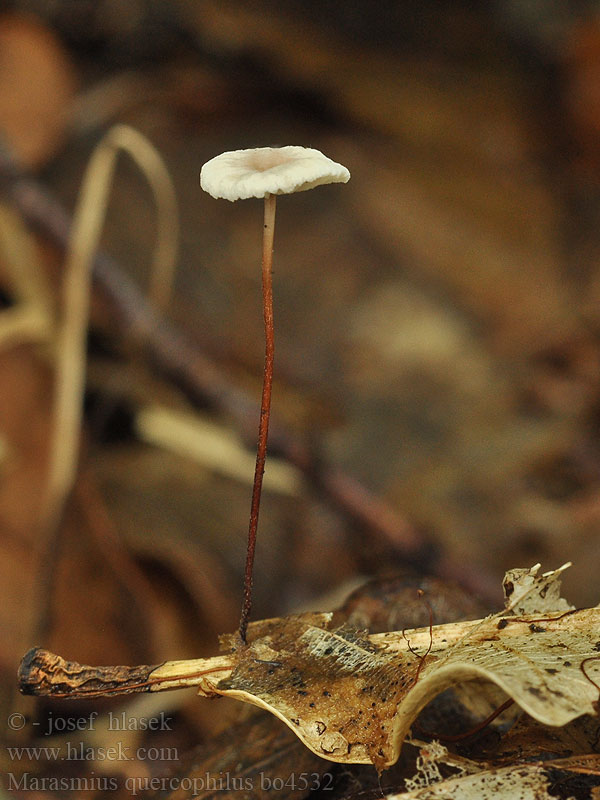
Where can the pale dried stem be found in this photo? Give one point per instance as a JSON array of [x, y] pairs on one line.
[[83, 244]]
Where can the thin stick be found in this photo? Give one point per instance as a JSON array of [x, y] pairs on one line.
[[265, 405]]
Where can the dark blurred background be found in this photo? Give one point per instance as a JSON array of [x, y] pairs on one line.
[[437, 319]]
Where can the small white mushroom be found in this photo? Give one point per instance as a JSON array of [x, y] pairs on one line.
[[266, 172], [240, 174]]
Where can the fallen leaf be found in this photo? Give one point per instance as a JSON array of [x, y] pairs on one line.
[[523, 781], [526, 592], [352, 698]]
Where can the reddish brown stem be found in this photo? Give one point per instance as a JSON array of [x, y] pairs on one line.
[[265, 405]]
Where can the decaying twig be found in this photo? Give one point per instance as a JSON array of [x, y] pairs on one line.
[[46, 674]]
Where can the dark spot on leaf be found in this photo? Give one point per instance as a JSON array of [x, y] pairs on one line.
[[326, 693], [536, 628], [567, 663], [551, 671], [502, 624], [509, 588]]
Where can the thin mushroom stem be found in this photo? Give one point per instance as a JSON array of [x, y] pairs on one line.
[[265, 405]]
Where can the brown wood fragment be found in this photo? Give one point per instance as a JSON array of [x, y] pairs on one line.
[[44, 673]]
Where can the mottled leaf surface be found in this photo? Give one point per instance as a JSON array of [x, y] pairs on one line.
[[352, 698]]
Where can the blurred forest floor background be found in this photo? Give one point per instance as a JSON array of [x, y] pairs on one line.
[[437, 377]]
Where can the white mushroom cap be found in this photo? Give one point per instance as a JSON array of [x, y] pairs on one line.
[[239, 174]]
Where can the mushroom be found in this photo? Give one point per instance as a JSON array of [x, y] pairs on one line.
[[265, 172]]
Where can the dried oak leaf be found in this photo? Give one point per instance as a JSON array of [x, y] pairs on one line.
[[351, 698], [257, 752]]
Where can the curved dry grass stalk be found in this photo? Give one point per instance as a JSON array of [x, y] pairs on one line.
[[87, 226]]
